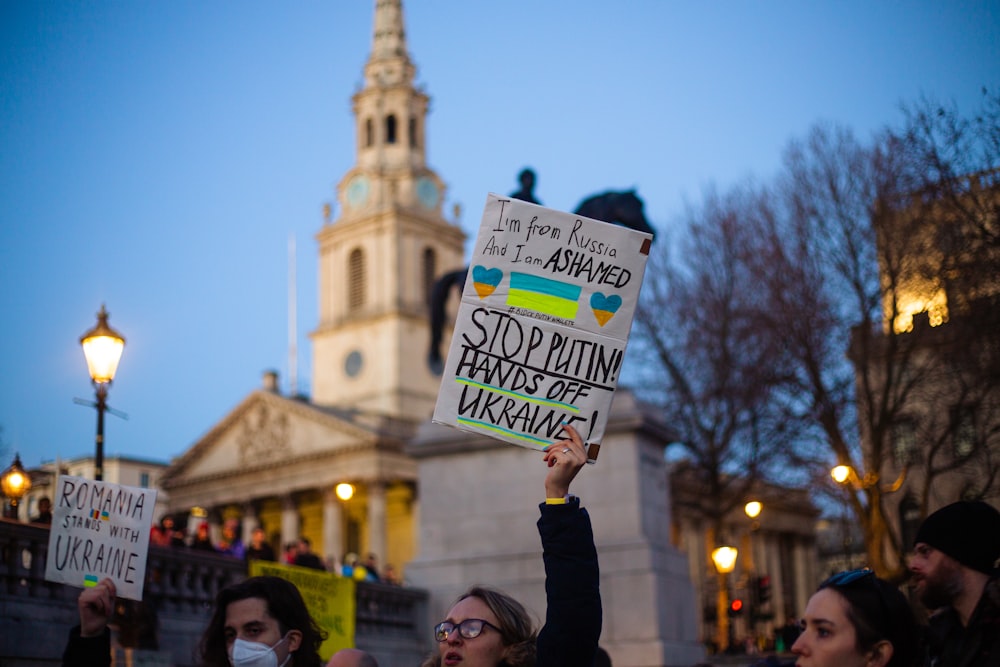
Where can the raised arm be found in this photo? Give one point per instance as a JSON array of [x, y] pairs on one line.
[[573, 612], [90, 642]]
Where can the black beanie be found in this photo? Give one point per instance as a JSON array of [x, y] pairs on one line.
[[968, 531]]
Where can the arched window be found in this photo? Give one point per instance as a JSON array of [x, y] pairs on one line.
[[390, 129], [429, 272], [356, 280], [369, 132], [413, 132]]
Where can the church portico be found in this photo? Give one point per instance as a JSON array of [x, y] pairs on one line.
[[275, 462]]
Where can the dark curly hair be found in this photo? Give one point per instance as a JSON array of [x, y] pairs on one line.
[[284, 604]]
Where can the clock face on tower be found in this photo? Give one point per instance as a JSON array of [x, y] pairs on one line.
[[357, 191], [427, 192]]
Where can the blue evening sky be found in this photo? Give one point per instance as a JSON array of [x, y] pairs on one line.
[[157, 155]]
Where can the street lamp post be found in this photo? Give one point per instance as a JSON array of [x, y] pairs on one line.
[[724, 559], [102, 346], [15, 482]]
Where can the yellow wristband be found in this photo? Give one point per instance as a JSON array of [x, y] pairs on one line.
[[555, 501]]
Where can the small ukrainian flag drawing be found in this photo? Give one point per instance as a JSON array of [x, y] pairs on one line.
[[543, 295], [89, 580], [105, 516]]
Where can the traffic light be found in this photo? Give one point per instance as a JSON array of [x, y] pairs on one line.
[[763, 589], [736, 607]]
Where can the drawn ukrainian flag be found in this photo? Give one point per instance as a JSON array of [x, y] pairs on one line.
[[543, 295], [89, 580]]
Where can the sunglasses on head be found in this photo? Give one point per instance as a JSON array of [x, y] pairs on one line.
[[848, 577]]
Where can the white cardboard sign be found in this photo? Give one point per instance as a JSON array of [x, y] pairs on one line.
[[100, 529], [542, 326]]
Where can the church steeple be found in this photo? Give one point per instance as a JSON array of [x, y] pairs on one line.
[[379, 259], [390, 35]]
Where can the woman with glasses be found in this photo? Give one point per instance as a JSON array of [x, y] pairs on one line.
[[856, 619], [488, 628]]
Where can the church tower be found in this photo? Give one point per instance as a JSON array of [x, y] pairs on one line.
[[379, 259]]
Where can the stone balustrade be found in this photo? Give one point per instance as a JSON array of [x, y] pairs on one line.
[[35, 615]]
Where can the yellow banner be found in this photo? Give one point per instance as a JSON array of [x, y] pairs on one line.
[[329, 598]]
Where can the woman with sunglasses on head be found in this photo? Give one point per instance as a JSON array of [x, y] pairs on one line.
[[856, 619], [488, 628]]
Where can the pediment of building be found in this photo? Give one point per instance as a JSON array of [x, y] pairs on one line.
[[267, 430]]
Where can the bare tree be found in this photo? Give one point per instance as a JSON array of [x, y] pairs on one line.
[[844, 314], [704, 360]]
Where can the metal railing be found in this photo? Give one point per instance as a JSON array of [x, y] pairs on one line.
[[181, 584]]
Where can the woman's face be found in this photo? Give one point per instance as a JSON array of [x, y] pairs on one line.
[[828, 638], [486, 650]]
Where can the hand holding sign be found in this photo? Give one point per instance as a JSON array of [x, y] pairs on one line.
[[100, 530], [97, 606], [564, 458]]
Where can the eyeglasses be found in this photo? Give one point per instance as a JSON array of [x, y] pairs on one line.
[[470, 628], [848, 577]]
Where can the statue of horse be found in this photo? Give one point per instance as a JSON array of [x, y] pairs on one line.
[[620, 208]]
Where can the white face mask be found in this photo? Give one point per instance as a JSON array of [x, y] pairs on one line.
[[255, 654]]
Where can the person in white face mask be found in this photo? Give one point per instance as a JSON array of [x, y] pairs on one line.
[[259, 622]]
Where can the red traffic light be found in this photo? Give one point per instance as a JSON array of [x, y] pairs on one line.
[[736, 605]]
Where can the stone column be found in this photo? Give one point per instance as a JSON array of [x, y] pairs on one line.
[[801, 567], [376, 520], [249, 522], [289, 520], [773, 551], [333, 526]]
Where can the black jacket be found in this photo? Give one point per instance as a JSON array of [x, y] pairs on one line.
[[573, 612], [978, 645]]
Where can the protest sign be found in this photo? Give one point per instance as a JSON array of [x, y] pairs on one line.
[[541, 330], [100, 529], [330, 600]]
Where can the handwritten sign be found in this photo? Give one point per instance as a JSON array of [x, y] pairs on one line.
[[541, 330], [330, 600], [99, 530]]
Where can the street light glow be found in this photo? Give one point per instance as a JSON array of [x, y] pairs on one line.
[[841, 473], [103, 347], [724, 559], [753, 509], [345, 491]]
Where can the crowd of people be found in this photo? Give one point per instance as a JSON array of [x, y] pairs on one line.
[[264, 620], [300, 552], [854, 619]]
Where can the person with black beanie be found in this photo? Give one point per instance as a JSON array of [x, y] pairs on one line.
[[954, 574]]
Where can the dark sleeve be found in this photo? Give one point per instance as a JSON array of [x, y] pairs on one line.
[[89, 651], [572, 587]]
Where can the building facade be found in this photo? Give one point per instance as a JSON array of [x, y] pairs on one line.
[[928, 374], [274, 461], [776, 569]]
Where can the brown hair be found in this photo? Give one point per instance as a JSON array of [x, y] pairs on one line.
[[516, 627]]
